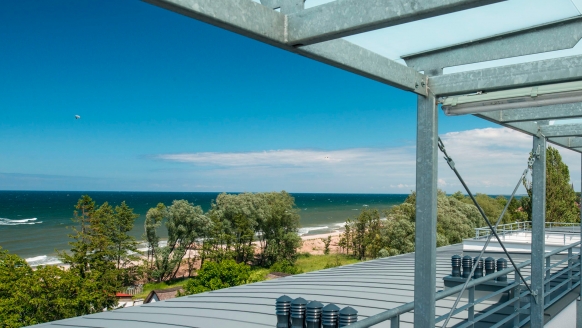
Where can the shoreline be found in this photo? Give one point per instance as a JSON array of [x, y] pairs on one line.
[[53, 260]]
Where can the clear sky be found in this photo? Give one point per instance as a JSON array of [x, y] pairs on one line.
[[168, 103]]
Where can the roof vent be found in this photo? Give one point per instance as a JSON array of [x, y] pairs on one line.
[[313, 314], [478, 268], [329, 316], [456, 264], [283, 307], [502, 265], [467, 265], [347, 316], [298, 313], [489, 265]]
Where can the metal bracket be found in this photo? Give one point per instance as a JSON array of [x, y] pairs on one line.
[[286, 6]]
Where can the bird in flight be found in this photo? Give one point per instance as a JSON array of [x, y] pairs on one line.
[[77, 117]]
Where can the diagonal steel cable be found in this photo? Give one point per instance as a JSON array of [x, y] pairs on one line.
[[451, 164], [530, 163]]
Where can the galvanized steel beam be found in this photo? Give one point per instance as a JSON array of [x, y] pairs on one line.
[[532, 129], [285, 6], [355, 59], [506, 77], [561, 130], [579, 300], [538, 239], [552, 112], [341, 18], [244, 17], [574, 143], [564, 34], [426, 212], [258, 22]]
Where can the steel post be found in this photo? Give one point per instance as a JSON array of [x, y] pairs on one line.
[[426, 212], [579, 302], [538, 232]]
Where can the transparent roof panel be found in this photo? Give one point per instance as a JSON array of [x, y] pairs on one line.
[[441, 31], [464, 26]]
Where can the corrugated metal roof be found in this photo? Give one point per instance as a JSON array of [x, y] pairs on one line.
[[369, 287]]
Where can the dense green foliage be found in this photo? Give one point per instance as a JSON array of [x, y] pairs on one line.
[[368, 236], [218, 275], [185, 223], [269, 219], [101, 247], [285, 267], [562, 203], [29, 297]]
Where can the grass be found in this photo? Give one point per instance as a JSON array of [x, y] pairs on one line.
[[147, 288], [307, 262]]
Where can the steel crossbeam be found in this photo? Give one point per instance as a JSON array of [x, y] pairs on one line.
[[507, 77], [341, 18], [563, 34], [551, 112], [261, 23]]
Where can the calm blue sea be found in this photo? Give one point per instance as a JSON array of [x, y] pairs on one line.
[[33, 224]]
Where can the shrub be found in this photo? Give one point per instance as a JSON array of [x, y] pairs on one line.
[[213, 276], [285, 267]]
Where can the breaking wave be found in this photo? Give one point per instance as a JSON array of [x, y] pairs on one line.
[[42, 260], [8, 222]]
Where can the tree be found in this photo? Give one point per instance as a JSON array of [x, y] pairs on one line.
[[278, 231], [185, 223], [124, 245], [92, 257], [561, 199], [239, 218], [29, 297], [363, 234]]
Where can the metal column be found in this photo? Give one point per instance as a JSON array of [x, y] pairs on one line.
[[579, 301], [538, 232], [426, 212]]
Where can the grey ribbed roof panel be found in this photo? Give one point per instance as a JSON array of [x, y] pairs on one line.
[[369, 287]]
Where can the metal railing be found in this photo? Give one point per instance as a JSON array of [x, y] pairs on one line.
[[133, 290], [526, 226], [561, 277]]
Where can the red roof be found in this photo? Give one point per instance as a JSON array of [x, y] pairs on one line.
[[122, 295]]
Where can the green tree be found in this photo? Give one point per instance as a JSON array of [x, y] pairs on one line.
[[363, 234], [213, 276], [185, 223], [29, 297], [278, 231], [239, 218], [561, 200], [92, 251], [124, 245]]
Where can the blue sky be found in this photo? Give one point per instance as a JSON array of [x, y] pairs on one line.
[[168, 103]]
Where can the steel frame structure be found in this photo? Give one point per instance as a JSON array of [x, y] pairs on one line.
[[316, 33]]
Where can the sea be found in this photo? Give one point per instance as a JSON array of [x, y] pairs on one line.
[[35, 224]]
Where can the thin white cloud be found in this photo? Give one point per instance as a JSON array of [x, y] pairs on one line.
[[295, 158], [490, 160]]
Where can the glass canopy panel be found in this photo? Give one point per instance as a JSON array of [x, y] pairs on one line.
[[441, 31]]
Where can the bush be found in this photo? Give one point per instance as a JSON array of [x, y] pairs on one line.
[[285, 267], [213, 276], [333, 264]]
